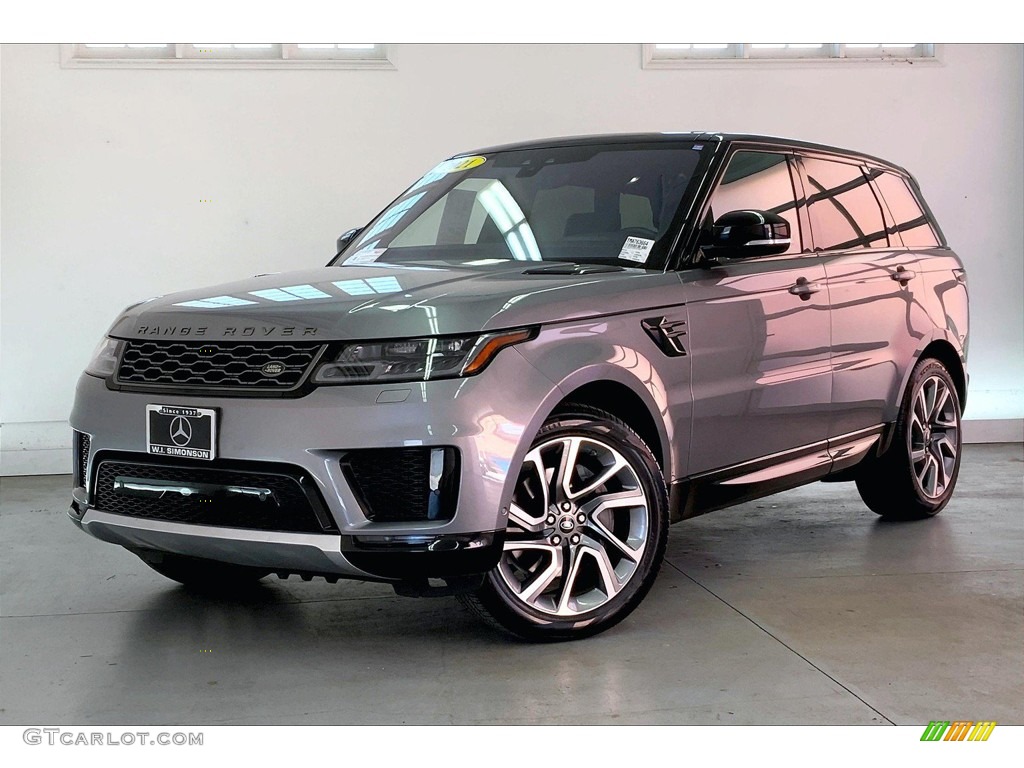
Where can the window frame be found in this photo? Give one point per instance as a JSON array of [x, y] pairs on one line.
[[186, 56], [795, 184], [743, 55], [893, 227], [688, 255], [865, 170]]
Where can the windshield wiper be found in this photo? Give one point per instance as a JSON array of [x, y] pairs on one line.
[[572, 268]]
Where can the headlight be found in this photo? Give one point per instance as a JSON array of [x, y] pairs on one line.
[[415, 359], [104, 359]]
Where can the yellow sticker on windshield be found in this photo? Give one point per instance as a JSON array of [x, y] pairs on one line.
[[454, 165], [461, 164]]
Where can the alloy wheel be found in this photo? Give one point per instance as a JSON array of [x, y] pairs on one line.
[[934, 436], [578, 527]]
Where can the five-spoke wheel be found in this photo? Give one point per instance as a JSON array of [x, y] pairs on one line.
[[934, 436], [577, 527], [915, 476], [586, 530]]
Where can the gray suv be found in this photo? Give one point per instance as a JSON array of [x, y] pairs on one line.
[[509, 383]]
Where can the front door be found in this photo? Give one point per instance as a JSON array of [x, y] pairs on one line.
[[758, 333]]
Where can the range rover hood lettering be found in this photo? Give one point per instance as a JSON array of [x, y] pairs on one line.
[[388, 301]]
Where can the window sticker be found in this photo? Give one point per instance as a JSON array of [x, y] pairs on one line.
[[636, 249], [367, 256], [460, 164], [455, 165]]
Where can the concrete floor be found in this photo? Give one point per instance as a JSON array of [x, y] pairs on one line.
[[799, 608]]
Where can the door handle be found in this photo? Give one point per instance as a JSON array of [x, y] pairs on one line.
[[902, 275], [803, 288]]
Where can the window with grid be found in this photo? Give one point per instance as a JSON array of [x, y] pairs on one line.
[[372, 55], [680, 54], [844, 211]]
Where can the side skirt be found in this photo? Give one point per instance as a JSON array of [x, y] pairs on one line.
[[754, 479]]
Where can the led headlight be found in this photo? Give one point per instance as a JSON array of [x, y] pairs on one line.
[[104, 359], [415, 359]]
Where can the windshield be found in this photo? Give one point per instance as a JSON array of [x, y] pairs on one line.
[[612, 204]]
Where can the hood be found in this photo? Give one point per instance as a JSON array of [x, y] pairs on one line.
[[394, 301]]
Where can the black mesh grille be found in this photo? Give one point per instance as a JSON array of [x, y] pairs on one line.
[[295, 505], [393, 484], [255, 366], [82, 443]]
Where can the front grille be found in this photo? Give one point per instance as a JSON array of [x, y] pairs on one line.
[[293, 505], [404, 484], [81, 445], [250, 366]]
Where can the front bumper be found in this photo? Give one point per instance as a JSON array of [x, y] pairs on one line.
[[482, 417], [367, 558]]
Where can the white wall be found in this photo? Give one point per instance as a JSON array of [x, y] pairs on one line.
[[103, 171]]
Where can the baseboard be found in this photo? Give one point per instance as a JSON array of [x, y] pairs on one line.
[[994, 431], [35, 448], [50, 461], [44, 448]]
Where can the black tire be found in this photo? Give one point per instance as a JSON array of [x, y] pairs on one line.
[[617, 504], [916, 475], [203, 575]]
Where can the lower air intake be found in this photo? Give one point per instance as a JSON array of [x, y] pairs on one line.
[[404, 484], [82, 445], [264, 497]]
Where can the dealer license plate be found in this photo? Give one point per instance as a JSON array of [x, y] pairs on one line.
[[176, 430]]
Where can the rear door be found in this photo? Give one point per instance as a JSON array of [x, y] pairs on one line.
[[872, 280], [758, 331]]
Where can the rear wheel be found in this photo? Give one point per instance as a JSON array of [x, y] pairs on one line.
[[586, 534], [916, 475], [200, 574]]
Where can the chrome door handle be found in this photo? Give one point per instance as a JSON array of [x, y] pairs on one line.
[[804, 289], [903, 275]]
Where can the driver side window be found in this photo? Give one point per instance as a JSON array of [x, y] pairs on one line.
[[758, 181]]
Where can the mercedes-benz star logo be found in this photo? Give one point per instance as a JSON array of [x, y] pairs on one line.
[[181, 431]]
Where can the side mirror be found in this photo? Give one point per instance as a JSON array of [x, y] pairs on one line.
[[346, 238], [743, 234]]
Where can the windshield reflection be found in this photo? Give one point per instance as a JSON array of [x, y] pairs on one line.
[[511, 221], [611, 203]]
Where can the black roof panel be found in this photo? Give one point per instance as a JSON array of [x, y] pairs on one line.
[[672, 136]]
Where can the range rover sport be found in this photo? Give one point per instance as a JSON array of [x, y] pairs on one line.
[[511, 381]]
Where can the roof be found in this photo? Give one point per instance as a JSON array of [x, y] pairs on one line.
[[672, 136]]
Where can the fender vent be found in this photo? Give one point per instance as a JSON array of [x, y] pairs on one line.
[[667, 333]]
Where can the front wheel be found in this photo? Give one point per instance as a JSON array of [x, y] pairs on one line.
[[916, 475], [586, 533]]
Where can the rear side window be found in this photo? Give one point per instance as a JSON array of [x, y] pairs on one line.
[[909, 219], [843, 209], [758, 181]]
